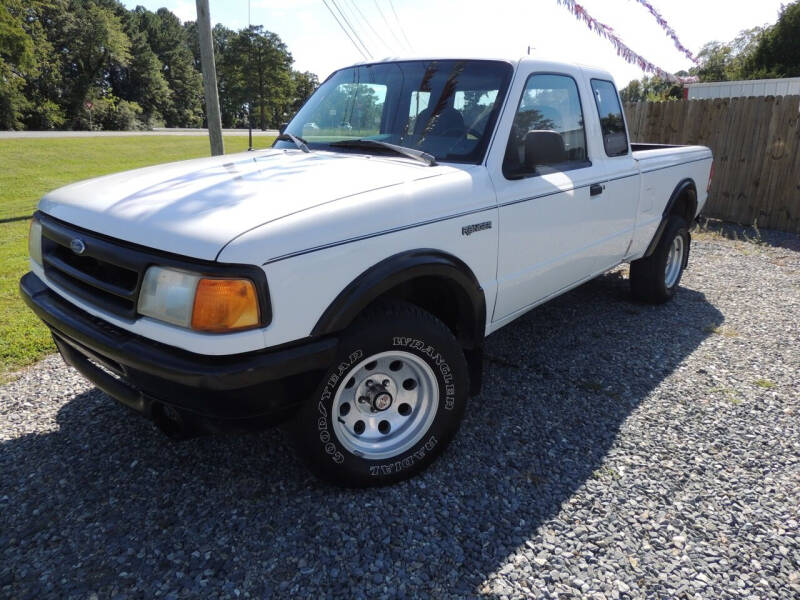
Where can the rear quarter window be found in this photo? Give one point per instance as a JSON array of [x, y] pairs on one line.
[[612, 124]]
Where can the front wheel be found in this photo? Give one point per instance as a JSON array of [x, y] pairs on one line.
[[390, 404], [655, 279]]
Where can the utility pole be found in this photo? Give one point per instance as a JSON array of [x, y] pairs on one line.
[[209, 78]]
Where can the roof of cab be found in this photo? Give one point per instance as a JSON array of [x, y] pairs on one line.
[[548, 64]]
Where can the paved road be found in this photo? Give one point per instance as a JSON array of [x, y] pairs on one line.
[[618, 451], [8, 135]]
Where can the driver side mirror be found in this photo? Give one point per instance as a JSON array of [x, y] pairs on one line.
[[283, 127]]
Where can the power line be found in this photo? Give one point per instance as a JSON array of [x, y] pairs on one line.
[[361, 52], [353, 29], [385, 20], [364, 19], [400, 25], [356, 24]]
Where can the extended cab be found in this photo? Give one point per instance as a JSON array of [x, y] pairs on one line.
[[347, 276]]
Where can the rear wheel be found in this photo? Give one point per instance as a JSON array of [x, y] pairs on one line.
[[655, 279], [391, 402]]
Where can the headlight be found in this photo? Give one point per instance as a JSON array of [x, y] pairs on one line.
[[35, 242], [168, 295], [203, 303]]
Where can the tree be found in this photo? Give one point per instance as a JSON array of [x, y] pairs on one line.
[[229, 77], [44, 88], [264, 66], [718, 62], [254, 68], [91, 39], [16, 62], [137, 67], [169, 42], [777, 51], [632, 92], [652, 89], [715, 61], [304, 83], [142, 81], [727, 61], [231, 80]]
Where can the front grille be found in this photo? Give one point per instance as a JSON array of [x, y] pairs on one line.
[[120, 277], [107, 274]]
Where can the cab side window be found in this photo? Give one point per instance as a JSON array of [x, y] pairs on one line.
[[548, 133], [615, 138]]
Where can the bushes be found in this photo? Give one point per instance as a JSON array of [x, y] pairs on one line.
[[12, 100], [113, 114]]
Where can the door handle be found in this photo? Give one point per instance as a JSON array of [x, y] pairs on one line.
[[596, 189]]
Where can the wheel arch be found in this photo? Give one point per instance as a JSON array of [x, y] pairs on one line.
[[682, 202], [436, 281]]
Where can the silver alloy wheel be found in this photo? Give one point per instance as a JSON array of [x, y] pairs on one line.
[[386, 405], [674, 262]]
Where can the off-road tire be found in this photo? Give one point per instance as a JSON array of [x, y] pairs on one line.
[[388, 328], [649, 282]]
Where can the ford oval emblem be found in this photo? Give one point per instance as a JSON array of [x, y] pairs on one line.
[[77, 246]]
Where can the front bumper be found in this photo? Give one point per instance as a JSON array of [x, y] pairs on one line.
[[149, 376]]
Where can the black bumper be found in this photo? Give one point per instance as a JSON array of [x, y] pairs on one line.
[[148, 376]]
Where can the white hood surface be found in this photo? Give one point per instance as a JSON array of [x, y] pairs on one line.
[[195, 207]]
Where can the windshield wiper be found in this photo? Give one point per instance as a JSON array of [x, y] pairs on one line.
[[419, 155], [297, 141]]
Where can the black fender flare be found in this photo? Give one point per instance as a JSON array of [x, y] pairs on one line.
[[405, 267], [685, 186]]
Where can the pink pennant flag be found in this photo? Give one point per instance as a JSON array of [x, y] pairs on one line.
[[669, 30], [608, 33]]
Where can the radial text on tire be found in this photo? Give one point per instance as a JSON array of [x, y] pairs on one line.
[[391, 402]]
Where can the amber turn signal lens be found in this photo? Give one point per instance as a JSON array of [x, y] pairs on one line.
[[225, 305]]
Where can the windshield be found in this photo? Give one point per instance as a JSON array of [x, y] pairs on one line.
[[446, 108]]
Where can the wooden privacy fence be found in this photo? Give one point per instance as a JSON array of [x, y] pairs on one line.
[[756, 145]]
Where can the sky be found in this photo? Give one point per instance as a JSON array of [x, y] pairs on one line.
[[485, 28]]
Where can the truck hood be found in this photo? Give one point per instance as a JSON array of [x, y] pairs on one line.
[[195, 207]]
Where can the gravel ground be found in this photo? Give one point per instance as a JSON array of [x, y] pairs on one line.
[[618, 451]]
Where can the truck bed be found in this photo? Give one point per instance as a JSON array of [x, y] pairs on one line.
[[641, 146], [668, 155], [662, 166]]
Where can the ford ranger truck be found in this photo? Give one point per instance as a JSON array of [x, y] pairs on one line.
[[344, 280]]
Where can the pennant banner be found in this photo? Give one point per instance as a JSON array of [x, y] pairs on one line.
[[669, 30], [608, 33]]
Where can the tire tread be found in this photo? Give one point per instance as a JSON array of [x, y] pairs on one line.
[[647, 274], [379, 314]]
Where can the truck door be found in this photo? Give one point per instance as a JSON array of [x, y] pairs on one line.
[[547, 193], [621, 195]]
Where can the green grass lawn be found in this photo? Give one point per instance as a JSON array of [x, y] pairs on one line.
[[31, 167]]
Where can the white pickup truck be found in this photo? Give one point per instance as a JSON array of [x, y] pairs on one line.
[[348, 276]]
